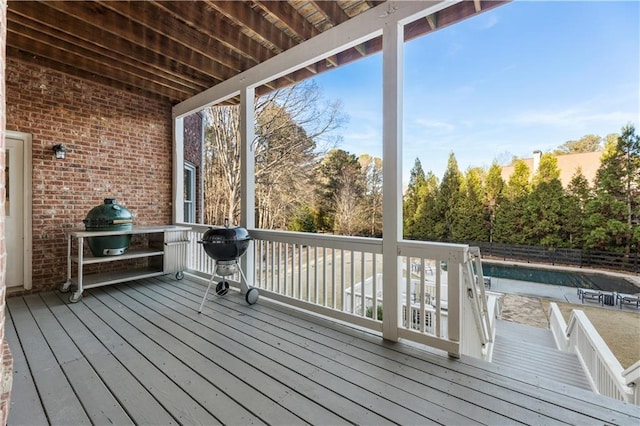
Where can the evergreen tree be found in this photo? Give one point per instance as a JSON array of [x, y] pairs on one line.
[[426, 218], [510, 224], [544, 217], [578, 194], [493, 186], [410, 201], [448, 200], [614, 211], [471, 225]]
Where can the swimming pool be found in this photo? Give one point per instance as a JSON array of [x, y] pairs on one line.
[[590, 280]]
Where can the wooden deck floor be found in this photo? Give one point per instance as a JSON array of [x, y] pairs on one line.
[[139, 353]]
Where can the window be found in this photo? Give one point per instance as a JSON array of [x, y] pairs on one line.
[[189, 193]]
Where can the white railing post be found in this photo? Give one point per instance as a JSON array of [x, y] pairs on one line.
[[632, 379], [558, 327], [454, 297]]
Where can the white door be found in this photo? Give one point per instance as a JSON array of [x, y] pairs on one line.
[[17, 217]]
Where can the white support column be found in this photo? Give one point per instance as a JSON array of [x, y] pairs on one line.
[[392, 64], [178, 170], [247, 174]]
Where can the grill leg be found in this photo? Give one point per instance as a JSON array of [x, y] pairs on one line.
[[206, 293], [251, 294], [244, 285]]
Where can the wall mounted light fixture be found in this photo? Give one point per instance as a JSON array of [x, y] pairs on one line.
[[60, 151]]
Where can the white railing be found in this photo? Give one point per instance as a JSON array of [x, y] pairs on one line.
[[632, 379], [341, 277], [558, 328], [603, 370], [435, 275], [332, 275]]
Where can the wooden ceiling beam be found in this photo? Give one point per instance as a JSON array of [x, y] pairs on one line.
[[14, 53], [248, 19], [272, 40], [227, 32], [448, 16], [136, 65], [332, 11], [336, 16], [84, 67], [151, 17], [114, 23], [294, 22], [22, 34]]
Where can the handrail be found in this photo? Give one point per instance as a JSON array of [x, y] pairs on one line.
[[480, 299], [603, 370], [342, 278], [558, 327]]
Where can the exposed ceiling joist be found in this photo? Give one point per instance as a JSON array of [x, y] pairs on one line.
[[173, 50]]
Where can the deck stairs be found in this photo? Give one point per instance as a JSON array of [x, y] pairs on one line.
[[533, 351]]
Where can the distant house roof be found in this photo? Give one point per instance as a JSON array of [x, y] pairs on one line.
[[589, 162]]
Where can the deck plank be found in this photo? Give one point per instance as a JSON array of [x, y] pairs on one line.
[[454, 384], [421, 396], [563, 402], [182, 407], [190, 369], [26, 407], [56, 393], [276, 361], [132, 396], [98, 402], [161, 361], [274, 398]]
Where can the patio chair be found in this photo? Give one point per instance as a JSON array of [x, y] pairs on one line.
[[628, 299], [590, 295]]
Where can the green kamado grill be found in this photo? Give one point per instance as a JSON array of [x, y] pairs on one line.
[[110, 216]]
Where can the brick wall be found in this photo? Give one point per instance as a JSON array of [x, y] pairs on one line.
[[6, 360], [119, 145]]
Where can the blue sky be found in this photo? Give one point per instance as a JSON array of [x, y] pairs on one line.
[[527, 75]]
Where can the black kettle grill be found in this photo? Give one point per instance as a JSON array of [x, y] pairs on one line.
[[226, 245]]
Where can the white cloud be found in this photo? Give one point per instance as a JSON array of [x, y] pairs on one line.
[[572, 116], [434, 124], [487, 21]]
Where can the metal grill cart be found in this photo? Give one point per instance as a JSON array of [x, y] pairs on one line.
[[226, 245], [165, 252]]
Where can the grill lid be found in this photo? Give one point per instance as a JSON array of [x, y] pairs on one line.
[[225, 235], [108, 215], [225, 243]]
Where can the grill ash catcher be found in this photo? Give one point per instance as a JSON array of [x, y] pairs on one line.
[[226, 245]]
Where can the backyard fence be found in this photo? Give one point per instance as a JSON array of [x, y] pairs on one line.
[[563, 256]]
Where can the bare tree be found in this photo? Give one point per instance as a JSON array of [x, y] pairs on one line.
[[222, 164], [349, 217], [372, 202], [293, 127]]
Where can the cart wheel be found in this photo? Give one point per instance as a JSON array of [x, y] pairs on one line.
[[252, 295], [222, 288], [64, 288], [179, 275], [75, 297]]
